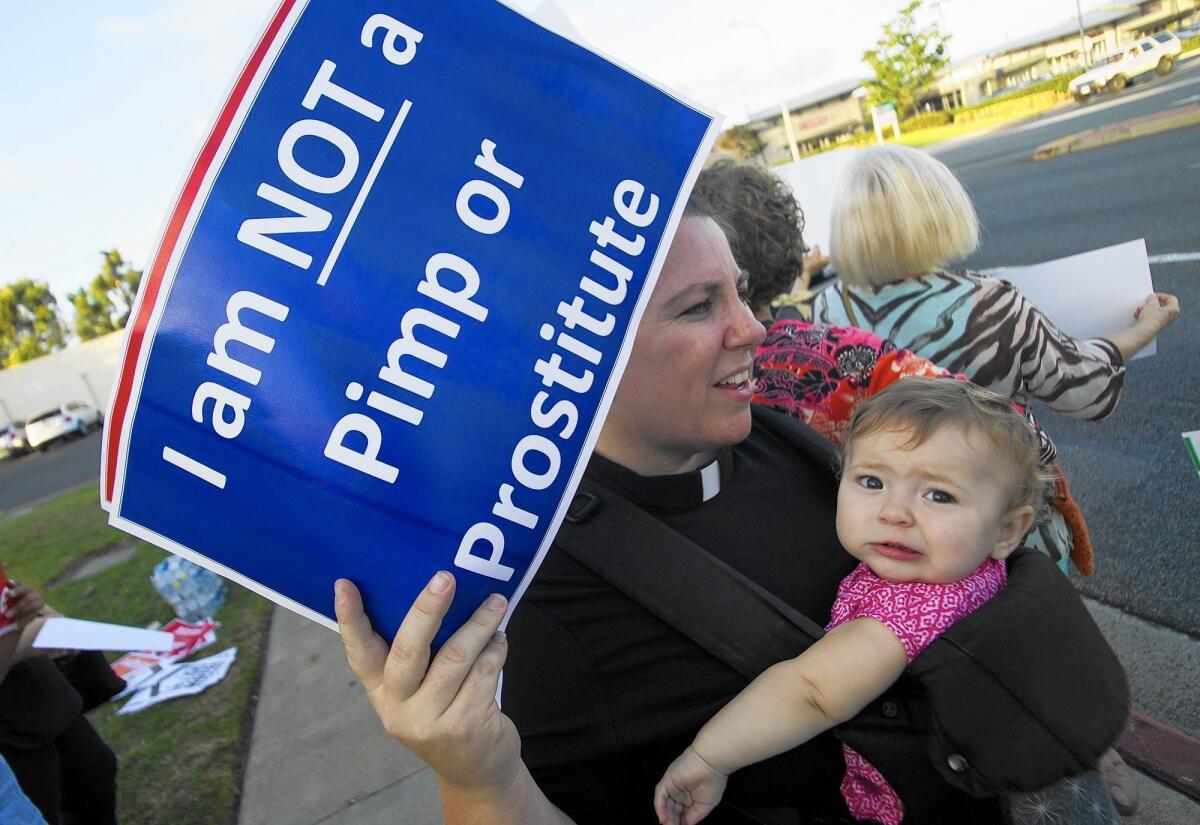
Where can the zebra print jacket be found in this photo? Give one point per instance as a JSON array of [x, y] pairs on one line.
[[984, 328]]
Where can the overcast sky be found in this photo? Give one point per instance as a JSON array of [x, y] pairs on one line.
[[105, 104]]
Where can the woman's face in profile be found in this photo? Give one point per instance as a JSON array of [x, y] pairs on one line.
[[687, 388]]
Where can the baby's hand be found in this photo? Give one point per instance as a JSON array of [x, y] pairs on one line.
[[688, 791]]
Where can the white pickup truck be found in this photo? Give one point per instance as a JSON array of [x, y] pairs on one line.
[[1118, 69]]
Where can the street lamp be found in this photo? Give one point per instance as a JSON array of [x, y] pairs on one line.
[[1087, 57], [783, 107]]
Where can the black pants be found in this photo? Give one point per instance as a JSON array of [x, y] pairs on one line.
[[72, 780]]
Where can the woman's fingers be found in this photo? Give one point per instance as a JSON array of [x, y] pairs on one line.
[[479, 687], [461, 652], [409, 654], [24, 603], [401, 670], [365, 651]]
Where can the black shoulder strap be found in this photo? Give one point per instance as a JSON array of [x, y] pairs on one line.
[[681, 583]]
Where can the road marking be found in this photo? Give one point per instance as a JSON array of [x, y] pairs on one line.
[[1191, 99], [1168, 258], [1175, 258], [24, 511]]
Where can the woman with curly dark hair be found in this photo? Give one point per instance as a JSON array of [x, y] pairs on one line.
[[767, 240]]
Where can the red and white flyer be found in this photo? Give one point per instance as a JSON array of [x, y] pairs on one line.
[[140, 669]]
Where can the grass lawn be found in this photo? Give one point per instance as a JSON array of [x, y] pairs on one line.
[[181, 762]]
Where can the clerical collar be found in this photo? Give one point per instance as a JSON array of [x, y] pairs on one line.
[[681, 491]]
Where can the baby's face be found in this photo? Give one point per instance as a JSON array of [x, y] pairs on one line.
[[929, 513]]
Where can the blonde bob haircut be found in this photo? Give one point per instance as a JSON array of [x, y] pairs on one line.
[[899, 213]]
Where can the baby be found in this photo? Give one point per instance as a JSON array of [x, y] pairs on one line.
[[941, 480]]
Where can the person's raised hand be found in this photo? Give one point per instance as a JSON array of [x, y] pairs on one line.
[[1158, 311], [23, 603], [688, 791], [814, 262], [443, 710]]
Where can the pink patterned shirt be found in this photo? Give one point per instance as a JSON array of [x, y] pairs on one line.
[[917, 613]]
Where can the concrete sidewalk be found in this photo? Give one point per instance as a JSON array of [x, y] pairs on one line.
[[318, 754]]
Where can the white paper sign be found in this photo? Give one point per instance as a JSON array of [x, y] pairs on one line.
[[1090, 295], [77, 634], [814, 181]]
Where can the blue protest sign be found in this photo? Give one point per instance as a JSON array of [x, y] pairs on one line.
[[392, 302]]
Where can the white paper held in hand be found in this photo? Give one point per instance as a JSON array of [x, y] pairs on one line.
[[77, 634], [1091, 294]]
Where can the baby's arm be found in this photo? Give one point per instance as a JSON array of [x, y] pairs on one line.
[[788, 704]]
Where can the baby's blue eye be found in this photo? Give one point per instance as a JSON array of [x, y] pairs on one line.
[[940, 497], [870, 482]]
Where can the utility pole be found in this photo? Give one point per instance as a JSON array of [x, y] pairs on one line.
[[783, 107], [1083, 49], [91, 392]]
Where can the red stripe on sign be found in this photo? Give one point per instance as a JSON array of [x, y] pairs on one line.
[[183, 208]]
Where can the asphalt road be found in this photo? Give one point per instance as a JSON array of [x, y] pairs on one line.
[[1131, 472], [28, 478]]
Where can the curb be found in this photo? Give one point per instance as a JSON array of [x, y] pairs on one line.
[[1171, 757], [29, 506], [1119, 132]]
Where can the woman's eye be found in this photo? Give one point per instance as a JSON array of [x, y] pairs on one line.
[[698, 309], [744, 297], [870, 482], [940, 497]]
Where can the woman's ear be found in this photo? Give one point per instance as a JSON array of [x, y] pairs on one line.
[[1013, 527]]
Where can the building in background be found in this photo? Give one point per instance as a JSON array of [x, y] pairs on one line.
[[823, 116], [819, 118], [1056, 50]]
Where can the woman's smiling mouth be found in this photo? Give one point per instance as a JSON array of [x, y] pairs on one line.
[[738, 383]]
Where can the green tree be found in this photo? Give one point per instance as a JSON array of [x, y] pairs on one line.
[[741, 141], [905, 59], [105, 304], [30, 325]]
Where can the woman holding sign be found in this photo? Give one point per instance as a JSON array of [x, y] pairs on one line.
[[611, 668]]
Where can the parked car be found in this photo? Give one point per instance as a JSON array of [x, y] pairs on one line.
[[12, 440], [1188, 32], [1118, 69], [64, 421]]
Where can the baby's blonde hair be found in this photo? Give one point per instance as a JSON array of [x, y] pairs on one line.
[[899, 213], [923, 406]]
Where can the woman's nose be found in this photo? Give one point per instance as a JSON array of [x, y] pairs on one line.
[[744, 330]]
